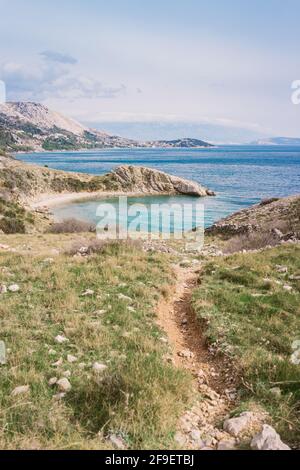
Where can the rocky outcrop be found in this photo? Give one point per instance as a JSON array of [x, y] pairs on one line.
[[268, 439], [280, 218], [149, 181]]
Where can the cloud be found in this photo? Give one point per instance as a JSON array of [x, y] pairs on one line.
[[58, 57], [52, 78]]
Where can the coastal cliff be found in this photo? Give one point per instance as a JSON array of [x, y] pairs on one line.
[[23, 188]]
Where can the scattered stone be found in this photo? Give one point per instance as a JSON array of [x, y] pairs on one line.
[[186, 353], [52, 352], [294, 278], [14, 288], [100, 312], [117, 441], [287, 287], [124, 297], [53, 381], [22, 390], [61, 339], [195, 436], [81, 365], [3, 289], [131, 309], [83, 250], [268, 439], [281, 269], [2, 353], [180, 439], [58, 363], [163, 340], [235, 426], [64, 385], [87, 293], [227, 444], [71, 358], [276, 392], [97, 367], [67, 374]]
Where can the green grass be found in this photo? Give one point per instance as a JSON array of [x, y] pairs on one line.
[[139, 395], [254, 320]]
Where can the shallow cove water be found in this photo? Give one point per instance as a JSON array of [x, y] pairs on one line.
[[240, 175]]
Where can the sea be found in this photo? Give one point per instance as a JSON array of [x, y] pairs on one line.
[[239, 175]]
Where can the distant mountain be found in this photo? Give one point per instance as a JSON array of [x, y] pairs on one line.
[[278, 141], [26, 126], [179, 143], [32, 126]]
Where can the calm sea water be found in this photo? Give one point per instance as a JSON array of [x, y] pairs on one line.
[[240, 175]]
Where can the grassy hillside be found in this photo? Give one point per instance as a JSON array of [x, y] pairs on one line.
[[138, 397], [250, 304]]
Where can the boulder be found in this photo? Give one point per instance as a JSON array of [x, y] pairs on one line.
[[64, 385], [236, 426], [268, 439], [21, 390]]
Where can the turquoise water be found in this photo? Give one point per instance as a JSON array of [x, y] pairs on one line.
[[240, 175]]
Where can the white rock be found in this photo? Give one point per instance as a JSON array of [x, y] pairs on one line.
[[71, 358], [164, 340], [281, 269], [131, 309], [117, 441], [53, 381], [287, 287], [3, 352], [51, 352], [124, 297], [295, 357], [64, 385], [235, 426], [14, 288], [67, 373], [87, 293], [61, 339], [58, 363], [97, 367], [268, 439], [20, 390]]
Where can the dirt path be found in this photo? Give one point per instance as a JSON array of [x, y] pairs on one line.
[[197, 429]]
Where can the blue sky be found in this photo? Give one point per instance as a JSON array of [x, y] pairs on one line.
[[220, 70]]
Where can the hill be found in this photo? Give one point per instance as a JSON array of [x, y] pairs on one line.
[[278, 141], [26, 126], [33, 126]]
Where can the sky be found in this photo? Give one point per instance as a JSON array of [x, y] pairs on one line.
[[220, 70]]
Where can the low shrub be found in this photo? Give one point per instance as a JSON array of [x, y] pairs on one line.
[[72, 226]]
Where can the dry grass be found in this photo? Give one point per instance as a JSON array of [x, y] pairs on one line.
[[139, 395], [254, 319]]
